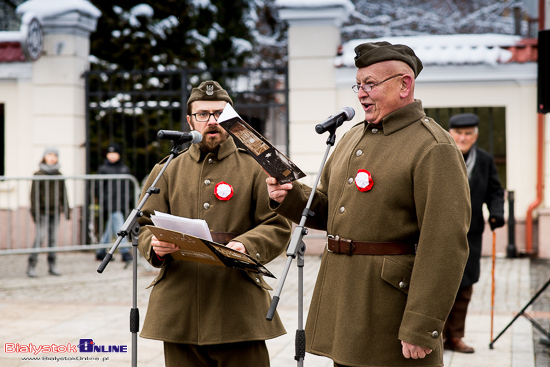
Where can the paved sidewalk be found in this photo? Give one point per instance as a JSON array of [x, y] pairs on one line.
[[82, 304]]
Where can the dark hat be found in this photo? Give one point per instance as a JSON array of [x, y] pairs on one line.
[[114, 148], [371, 53], [209, 91], [463, 120]]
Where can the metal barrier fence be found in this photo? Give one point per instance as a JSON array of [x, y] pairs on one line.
[[72, 211]]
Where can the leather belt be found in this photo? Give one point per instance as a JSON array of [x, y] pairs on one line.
[[223, 237], [338, 245]]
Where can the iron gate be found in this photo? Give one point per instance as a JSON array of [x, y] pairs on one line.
[[129, 107]]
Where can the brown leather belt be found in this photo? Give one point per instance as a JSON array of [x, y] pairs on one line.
[[223, 237], [339, 245]]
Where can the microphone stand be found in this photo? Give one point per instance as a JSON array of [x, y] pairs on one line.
[[297, 248], [131, 228]]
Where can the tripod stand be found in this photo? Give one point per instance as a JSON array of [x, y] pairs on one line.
[[297, 248], [522, 313], [131, 228]]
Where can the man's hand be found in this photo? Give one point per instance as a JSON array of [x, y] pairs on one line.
[[276, 191], [162, 248], [414, 351], [496, 222], [237, 246]]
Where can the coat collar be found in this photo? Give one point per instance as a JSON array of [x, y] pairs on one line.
[[227, 148], [400, 118]]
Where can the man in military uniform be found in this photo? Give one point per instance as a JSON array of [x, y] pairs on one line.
[[210, 315], [484, 188], [394, 201]]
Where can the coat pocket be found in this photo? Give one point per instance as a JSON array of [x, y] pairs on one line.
[[258, 280], [396, 274], [159, 276]]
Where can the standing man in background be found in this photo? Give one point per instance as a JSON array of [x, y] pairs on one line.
[[115, 196], [485, 188], [48, 201]]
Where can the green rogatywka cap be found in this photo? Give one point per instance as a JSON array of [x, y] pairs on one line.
[[371, 53], [209, 91]]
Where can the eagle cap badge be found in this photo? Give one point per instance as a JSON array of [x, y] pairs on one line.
[[209, 89]]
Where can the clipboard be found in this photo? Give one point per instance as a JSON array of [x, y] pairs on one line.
[[200, 250]]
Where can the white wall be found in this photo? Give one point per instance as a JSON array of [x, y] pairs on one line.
[[58, 100]]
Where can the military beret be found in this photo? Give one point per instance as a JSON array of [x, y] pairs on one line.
[[371, 53], [208, 91], [463, 120]]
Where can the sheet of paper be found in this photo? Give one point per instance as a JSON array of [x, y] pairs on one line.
[[195, 227], [228, 113]]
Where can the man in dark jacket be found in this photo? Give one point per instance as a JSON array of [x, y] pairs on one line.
[[114, 196], [48, 201], [484, 188]]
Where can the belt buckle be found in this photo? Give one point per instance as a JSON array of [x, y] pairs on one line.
[[332, 237]]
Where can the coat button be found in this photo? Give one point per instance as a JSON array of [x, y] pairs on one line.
[[435, 334], [210, 160], [206, 206], [350, 180], [402, 285], [342, 209], [258, 256], [374, 131], [359, 153], [207, 182], [257, 280]]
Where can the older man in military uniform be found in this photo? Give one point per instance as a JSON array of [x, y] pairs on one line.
[[485, 188], [209, 315], [394, 201]]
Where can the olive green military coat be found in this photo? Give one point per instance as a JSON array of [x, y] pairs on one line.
[[204, 304], [363, 306]]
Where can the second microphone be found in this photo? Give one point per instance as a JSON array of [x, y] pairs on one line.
[[346, 114], [180, 137]]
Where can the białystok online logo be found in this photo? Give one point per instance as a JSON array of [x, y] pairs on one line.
[[88, 346], [84, 346]]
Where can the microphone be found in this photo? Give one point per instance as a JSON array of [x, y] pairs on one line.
[[180, 137], [335, 120]]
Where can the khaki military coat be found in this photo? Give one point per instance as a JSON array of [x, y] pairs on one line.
[[205, 304], [363, 306]]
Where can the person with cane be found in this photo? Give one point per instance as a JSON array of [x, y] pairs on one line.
[[485, 188]]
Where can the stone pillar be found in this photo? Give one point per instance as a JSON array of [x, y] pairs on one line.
[[56, 93], [313, 41]]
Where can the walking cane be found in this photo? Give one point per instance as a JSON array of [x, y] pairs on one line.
[[493, 283]]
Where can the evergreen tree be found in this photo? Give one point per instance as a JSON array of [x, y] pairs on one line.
[[169, 34], [8, 18]]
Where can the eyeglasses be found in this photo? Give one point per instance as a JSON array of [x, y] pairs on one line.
[[205, 116], [368, 87]]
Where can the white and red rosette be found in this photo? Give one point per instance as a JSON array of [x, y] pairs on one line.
[[223, 191], [363, 180]]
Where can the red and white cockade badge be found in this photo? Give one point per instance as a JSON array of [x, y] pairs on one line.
[[363, 180], [223, 191]]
